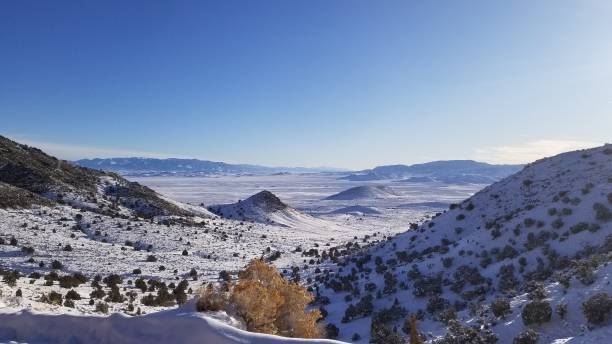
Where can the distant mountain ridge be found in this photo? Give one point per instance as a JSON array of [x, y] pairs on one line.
[[445, 171], [176, 166]]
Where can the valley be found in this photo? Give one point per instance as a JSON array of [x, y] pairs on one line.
[[87, 243]]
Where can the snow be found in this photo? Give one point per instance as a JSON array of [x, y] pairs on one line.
[[180, 325], [380, 221], [510, 204], [357, 210], [99, 242], [366, 191]]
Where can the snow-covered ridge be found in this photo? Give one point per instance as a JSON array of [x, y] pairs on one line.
[[265, 207], [545, 221], [136, 166], [27, 169], [450, 171]]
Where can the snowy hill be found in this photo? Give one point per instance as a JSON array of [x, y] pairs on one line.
[[27, 171], [450, 172], [265, 207], [190, 167], [551, 224], [364, 192]]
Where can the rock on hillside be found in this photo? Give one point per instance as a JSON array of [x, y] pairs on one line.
[[530, 249]]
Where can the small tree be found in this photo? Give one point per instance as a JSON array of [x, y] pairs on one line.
[[528, 336], [536, 312], [501, 307], [597, 308]]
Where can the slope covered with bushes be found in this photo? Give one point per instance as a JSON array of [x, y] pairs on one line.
[[500, 263]]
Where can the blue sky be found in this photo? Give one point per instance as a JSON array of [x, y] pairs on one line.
[[337, 83]]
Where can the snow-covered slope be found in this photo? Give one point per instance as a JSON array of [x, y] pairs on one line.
[[265, 207], [356, 209], [181, 326], [364, 192], [550, 222], [29, 170]]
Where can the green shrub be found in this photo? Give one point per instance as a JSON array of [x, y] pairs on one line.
[[52, 298], [561, 310], [501, 307], [73, 295], [597, 308], [602, 213], [536, 312], [528, 336], [102, 307]]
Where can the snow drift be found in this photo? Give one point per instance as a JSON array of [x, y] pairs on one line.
[[181, 325]]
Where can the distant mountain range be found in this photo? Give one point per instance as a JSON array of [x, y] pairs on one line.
[[188, 167], [448, 171]]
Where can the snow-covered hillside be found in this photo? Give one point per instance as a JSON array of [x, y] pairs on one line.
[[81, 242], [526, 252], [180, 325], [537, 240], [265, 207], [25, 169], [364, 192]]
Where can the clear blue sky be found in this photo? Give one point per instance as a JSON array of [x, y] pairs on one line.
[[336, 83]]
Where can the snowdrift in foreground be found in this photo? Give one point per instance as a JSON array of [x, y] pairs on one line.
[[181, 325]]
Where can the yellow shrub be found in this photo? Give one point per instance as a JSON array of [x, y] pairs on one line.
[[257, 305], [211, 298], [266, 302]]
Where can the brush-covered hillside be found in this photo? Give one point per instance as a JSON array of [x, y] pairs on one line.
[[523, 261], [29, 176]]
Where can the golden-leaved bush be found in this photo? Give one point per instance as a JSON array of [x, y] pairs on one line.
[[266, 301]]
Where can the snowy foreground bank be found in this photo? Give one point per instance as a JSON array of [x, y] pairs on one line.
[[180, 325]]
